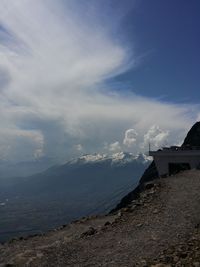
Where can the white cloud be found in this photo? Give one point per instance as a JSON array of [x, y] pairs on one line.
[[54, 65], [156, 137], [79, 147], [130, 137], [19, 145], [115, 147]]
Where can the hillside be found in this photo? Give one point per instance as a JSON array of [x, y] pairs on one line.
[[88, 185], [161, 226]]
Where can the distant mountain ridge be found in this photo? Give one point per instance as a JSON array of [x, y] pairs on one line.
[[116, 158], [90, 184], [28, 168], [24, 168]]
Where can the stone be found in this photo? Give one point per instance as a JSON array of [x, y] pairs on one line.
[[139, 225], [143, 263], [161, 265], [107, 223], [183, 255], [176, 258], [149, 185], [89, 232], [39, 254], [155, 211], [125, 209], [119, 214], [133, 207]]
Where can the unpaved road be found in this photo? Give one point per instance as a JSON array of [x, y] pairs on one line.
[[164, 217]]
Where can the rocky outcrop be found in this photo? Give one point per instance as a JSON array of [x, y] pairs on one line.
[[193, 136], [151, 173]]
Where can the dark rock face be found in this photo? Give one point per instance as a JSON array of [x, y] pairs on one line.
[[151, 173], [193, 136]]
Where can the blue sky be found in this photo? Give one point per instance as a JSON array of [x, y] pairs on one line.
[[96, 76], [166, 37]]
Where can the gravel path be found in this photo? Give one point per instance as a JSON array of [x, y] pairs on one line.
[[165, 216]]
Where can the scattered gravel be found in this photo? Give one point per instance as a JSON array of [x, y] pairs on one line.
[[161, 228]]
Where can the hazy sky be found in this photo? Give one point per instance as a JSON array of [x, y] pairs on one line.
[[92, 76]]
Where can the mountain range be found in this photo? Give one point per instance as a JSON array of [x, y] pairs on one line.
[[90, 184]]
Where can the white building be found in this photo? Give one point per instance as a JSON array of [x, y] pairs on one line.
[[171, 160]]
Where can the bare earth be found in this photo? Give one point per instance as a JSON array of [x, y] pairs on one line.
[[162, 226]]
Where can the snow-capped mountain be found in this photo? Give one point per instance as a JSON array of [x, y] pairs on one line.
[[116, 158], [88, 185]]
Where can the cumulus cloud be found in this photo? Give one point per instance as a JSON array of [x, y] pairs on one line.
[[130, 137], [115, 147], [56, 58], [156, 137]]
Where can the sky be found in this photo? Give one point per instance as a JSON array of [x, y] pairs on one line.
[[96, 76]]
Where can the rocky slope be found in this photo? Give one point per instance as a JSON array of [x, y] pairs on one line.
[[160, 228]]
